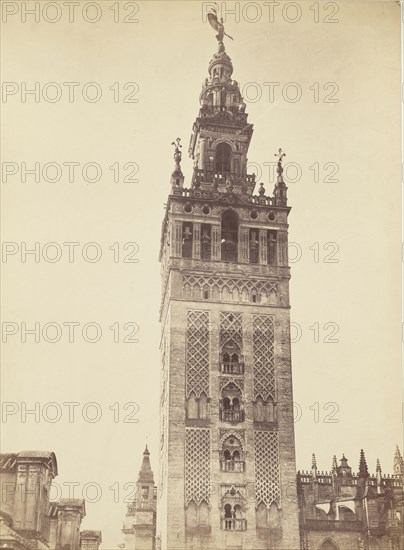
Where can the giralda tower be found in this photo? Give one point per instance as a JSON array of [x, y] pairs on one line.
[[227, 454]]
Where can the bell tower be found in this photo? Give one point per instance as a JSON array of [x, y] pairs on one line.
[[227, 456]]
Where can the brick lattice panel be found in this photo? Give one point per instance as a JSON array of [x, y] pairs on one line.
[[197, 465], [263, 355], [231, 331], [267, 479], [198, 353]]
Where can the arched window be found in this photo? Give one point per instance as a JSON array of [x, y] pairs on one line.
[[254, 246], [238, 514], [222, 158], [197, 407], [236, 455], [264, 411], [192, 407], [328, 545], [203, 406], [234, 358], [204, 514], [259, 410], [231, 364], [190, 515], [273, 516], [272, 248], [187, 238], [261, 516], [228, 515], [226, 403], [206, 246], [270, 410], [229, 236], [346, 514]]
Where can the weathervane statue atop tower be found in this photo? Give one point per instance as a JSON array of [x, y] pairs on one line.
[[217, 24]]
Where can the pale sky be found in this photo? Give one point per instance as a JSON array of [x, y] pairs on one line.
[[167, 54]]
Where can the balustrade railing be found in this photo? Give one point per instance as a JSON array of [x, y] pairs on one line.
[[210, 176], [332, 525], [229, 415], [234, 524], [229, 367], [232, 466]]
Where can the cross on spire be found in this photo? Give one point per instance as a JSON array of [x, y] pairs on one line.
[[280, 154]]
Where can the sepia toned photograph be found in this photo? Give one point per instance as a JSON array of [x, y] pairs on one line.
[[201, 263]]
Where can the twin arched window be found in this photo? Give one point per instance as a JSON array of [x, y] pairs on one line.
[[231, 404]]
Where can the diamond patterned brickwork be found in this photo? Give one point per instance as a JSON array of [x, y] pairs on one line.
[[263, 355], [198, 353], [267, 481], [197, 465]]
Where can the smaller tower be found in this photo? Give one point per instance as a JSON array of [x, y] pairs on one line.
[[344, 469], [363, 467], [313, 466], [363, 476], [280, 189], [140, 521], [378, 477], [398, 465], [334, 475], [177, 177]]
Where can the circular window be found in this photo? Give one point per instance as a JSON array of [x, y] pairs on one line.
[[188, 208], [231, 441], [206, 210], [271, 216], [254, 215]]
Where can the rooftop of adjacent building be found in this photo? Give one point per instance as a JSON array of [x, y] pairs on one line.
[[346, 476], [37, 529]]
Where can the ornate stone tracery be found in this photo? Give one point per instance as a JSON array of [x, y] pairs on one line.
[[232, 382], [237, 434], [230, 288]]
